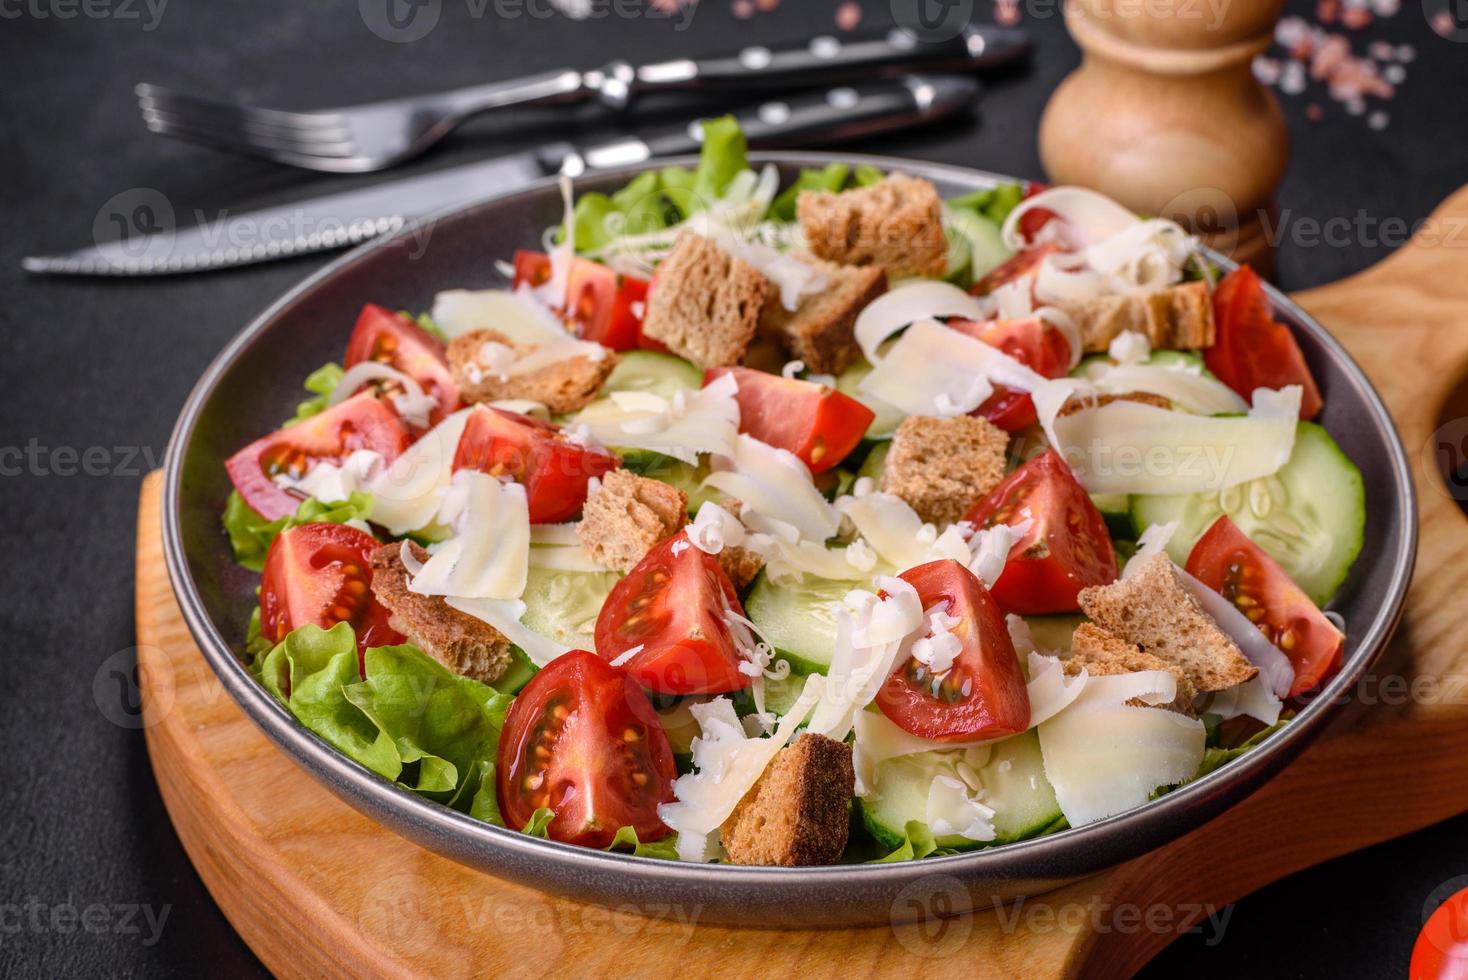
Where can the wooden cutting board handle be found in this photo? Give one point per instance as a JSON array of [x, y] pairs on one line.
[[317, 889]]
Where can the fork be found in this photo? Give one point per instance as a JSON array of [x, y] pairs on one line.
[[379, 135]]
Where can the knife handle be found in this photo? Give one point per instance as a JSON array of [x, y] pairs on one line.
[[840, 113], [824, 60]]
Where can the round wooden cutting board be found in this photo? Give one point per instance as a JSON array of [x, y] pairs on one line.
[[317, 889]]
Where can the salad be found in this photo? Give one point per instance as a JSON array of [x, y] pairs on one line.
[[827, 523]]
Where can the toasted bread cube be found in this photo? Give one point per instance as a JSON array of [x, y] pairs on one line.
[[896, 223], [561, 386], [455, 639], [627, 515], [740, 564], [1154, 610], [942, 467], [820, 330], [1101, 653], [799, 811], [1079, 403], [1177, 318], [705, 304]]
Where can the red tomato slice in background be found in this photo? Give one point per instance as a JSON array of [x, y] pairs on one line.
[[983, 694], [1024, 264], [1252, 349], [601, 305], [815, 422], [319, 574], [1225, 560], [1032, 342], [672, 605], [1066, 548], [394, 340], [581, 739], [363, 421], [555, 470]]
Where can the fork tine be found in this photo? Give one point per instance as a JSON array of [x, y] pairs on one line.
[[225, 131], [305, 122], [234, 143], [238, 119]]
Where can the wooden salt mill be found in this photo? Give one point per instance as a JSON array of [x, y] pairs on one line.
[[1165, 115]]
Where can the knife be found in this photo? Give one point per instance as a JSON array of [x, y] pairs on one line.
[[339, 220]]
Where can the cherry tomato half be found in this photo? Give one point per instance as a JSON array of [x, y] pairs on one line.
[[1225, 560], [1252, 349], [581, 739], [1066, 548], [1032, 342], [815, 422], [555, 470], [672, 605], [601, 305], [983, 694], [1023, 265], [394, 340]]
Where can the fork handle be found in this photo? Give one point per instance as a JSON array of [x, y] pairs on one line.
[[821, 117]]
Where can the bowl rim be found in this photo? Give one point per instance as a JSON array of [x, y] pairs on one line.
[[1065, 854]]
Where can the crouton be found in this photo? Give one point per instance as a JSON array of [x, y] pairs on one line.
[[455, 639], [1101, 653], [740, 564], [896, 223], [627, 515], [1178, 318], [1079, 403], [819, 331], [942, 467], [799, 811], [562, 386], [1154, 610], [705, 304]]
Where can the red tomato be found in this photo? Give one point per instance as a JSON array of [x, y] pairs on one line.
[[581, 739], [1225, 560], [1022, 265], [672, 605], [395, 340], [983, 694], [1033, 220], [1066, 548], [1033, 343], [601, 305], [1253, 350], [817, 423], [1441, 950], [555, 470], [319, 574], [361, 422]]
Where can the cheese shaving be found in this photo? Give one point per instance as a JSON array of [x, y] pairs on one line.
[[691, 423], [773, 484], [489, 553], [922, 299]]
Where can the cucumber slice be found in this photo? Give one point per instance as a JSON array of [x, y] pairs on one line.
[[1053, 632], [645, 370], [517, 675], [564, 605], [1158, 358], [780, 696], [888, 418], [1116, 510], [797, 619], [1014, 785], [875, 463], [986, 248], [1310, 516], [955, 263]]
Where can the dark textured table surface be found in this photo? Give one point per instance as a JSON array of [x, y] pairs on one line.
[[95, 881]]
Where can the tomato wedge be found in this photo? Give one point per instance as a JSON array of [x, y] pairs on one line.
[[393, 339], [1022, 265], [1225, 560], [1253, 349], [601, 305], [554, 469], [319, 574], [582, 740], [361, 422], [1032, 342], [983, 694], [1066, 548], [672, 607], [815, 422]]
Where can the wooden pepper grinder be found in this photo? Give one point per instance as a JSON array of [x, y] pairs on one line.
[[1165, 115]]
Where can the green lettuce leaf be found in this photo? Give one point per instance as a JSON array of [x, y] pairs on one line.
[[538, 823], [322, 382], [625, 840], [1216, 755], [831, 177], [250, 535], [427, 322], [866, 175], [993, 204], [484, 804], [918, 842]]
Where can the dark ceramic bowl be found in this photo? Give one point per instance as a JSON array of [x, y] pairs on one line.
[[256, 380]]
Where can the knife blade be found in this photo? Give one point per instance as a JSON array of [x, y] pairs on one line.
[[349, 217]]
